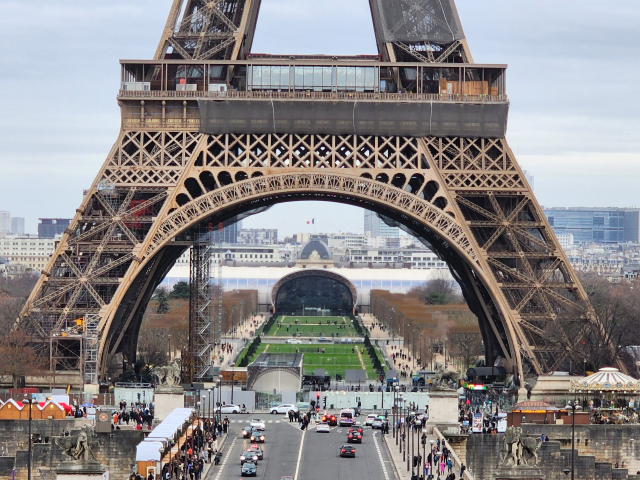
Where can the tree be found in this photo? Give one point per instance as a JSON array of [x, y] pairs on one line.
[[163, 301], [467, 345], [602, 328], [9, 311], [18, 358], [180, 290]]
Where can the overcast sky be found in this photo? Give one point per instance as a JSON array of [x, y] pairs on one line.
[[572, 81]]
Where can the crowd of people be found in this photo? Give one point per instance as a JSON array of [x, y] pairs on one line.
[[439, 463], [199, 449], [140, 414], [401, 361]]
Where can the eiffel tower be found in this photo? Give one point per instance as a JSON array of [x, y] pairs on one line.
[[210, 131]]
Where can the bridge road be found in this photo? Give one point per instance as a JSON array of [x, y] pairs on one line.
[[304, 455]]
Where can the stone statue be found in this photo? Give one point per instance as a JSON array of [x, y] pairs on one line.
[[445, 378], [170, 374], [509, 451], [79, 447], [518, 449]]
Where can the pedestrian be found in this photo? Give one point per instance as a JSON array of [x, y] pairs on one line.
[[449, 465], [442, 465], [462, 469]]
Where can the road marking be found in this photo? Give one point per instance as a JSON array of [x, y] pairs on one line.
[[295, 477], [382, 462], [226, 458]]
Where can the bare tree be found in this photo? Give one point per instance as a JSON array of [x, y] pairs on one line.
[[19, 360], [9, 311], [602, 329], [467, 346]]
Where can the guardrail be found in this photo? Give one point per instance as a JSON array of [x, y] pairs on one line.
[[233, 94]]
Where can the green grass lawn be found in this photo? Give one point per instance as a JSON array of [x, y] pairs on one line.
[[313, 327], [335, 359]]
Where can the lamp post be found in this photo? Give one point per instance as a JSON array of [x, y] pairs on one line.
[[169, 336], [431, 442], [30, 402], [572, 405]]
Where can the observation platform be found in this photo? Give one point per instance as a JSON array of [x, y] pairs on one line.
[[310, 95]]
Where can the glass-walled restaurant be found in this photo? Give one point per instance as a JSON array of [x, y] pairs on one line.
[[171, 78]]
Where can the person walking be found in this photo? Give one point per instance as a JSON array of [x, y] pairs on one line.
[[462, 469], [442, 465], [449, 465]]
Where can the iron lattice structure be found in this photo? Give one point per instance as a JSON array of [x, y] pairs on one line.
[[210, 131], [202, 310]]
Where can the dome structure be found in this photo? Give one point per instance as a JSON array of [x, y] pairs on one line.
[[315, 249], [606, 379]]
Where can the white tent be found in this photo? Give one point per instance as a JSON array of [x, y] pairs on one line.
[[149, 451], [170, 425]]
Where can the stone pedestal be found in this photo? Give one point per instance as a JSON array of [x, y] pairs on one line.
[[443, 410], [80, 471], [520, 472], [166, 400]]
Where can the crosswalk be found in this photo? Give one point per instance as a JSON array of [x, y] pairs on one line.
[[247, 421]]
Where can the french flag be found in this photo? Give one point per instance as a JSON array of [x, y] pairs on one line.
[[313, 221]]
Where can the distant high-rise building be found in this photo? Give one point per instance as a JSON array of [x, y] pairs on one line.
[[258, 236], [229, 232], [529, 177], [17, 225], [375, 227], [600, 225], [5, 222], [50, 227]]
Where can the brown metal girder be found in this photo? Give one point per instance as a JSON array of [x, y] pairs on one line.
[[488, 315], [480, 223], [177, 47], [137, 304]]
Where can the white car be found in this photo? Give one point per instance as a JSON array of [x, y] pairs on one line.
[[323, 428], [294, 341], [377, 423], [284, 408], [370, 418], [258, 424], [228, 408]]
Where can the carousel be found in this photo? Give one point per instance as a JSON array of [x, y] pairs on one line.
[[610, 395]]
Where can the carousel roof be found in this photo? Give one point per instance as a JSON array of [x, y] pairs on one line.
[[609, 379]]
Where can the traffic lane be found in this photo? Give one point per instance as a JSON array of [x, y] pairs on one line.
[[321, 457], [280, 449]]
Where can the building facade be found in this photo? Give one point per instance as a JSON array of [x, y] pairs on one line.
[[17, 225], [375, 227], [600, 225], [50, 227], [258, 236], [28, 251], [5, 222]]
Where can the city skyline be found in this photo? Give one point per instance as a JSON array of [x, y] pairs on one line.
[[581, 153]]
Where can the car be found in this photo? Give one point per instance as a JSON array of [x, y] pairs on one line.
[[332, 420], [258, 424], [228, 408], [324, 340], [257, 438], [356, 429], [249, 469], [346, 418], [323, 427], [377, 423], [248, 456], [274, 404], [370, 418], [348, 451], [247, 432], [354, 437], [294, 341], [284, 408], [257, 451]]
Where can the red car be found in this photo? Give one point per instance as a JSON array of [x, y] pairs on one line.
[[332, 420]]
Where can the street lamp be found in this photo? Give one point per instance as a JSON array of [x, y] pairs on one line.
[[169, 336], [572, 405], [431, 442], [29, 401]]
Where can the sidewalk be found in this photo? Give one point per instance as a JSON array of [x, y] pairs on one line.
[[400, 464]]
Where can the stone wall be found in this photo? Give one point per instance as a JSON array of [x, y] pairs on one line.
[[117, 449], [598, 448]]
